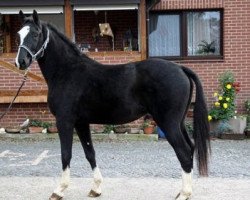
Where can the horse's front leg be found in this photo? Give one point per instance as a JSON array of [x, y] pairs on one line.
[[65, 130], [85, 138]]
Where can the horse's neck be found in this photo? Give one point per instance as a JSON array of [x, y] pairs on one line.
[[58, 57]]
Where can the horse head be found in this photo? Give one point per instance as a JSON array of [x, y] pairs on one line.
[[33, 40]]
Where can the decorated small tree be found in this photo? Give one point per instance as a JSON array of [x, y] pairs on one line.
[[223, 111], [224, 105]]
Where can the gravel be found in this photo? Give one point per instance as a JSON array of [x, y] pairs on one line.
[[230, 159]]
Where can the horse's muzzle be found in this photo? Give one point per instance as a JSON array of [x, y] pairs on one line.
[[23, 64]]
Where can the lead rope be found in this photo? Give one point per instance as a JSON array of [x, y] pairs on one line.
[[19, 89]]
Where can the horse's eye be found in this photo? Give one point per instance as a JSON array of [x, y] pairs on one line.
[[35, 35]]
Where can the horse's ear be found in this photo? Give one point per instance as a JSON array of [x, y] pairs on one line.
[[21, 16], [35, 18]]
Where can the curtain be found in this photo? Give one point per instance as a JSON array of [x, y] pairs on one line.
[[164, 35], [203, 33]]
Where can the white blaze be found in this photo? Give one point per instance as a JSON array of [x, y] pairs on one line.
[[22, 33]]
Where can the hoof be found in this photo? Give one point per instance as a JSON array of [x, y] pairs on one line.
[[181, 196], [54, 196], [92, 193]]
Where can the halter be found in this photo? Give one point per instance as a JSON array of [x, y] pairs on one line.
[[41, 50]]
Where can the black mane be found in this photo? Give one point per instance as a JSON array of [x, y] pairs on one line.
[[65, 39]]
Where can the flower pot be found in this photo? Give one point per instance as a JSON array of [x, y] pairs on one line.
[[98, 129], [120, 129], [214, 126], [238, 125], [52, 130], [13, 130], [149, 130], [134, 130], [220, 127], [34, 129]]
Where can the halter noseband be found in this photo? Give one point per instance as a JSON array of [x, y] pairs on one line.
[[41, 50]]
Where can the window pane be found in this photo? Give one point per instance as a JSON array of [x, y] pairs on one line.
[[203, 33], [164, 35]]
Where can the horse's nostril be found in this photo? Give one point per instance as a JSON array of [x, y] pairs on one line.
[[22, 62]]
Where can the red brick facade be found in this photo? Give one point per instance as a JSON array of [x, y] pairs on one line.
[[236, 38], [236, 41]]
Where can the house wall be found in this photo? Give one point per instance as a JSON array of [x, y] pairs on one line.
[[236, 27]]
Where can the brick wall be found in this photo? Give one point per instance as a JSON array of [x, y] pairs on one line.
[[20, 112], [236, 45], [189, 4], [10, 81]]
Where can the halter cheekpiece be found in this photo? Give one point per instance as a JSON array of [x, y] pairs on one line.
[[41, 50]]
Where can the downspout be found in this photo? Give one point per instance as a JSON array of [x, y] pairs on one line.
[[150, 5]]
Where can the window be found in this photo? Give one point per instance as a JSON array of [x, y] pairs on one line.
[[164, 36], [185, 34]]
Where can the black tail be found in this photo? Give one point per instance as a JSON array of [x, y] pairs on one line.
[[201, 125]]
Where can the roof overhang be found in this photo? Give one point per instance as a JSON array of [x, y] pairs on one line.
[[7, 3], [86, 5], [27, 6], [106, 2], [105, 7], [29, 9]]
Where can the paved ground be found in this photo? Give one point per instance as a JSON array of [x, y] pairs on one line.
[[132, 170]]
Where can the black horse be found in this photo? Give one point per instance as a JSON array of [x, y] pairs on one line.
[[82, 91]]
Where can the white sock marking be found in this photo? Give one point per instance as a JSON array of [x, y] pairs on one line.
[[22, 33], [97, 180], [187, 183], [186, 190], [65, 180]]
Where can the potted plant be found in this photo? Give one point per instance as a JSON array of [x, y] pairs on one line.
[[108, 128], [37, 126], [52, 128], [223, 113], [97, 128], [148, 126], [121, 128], [206, 48]]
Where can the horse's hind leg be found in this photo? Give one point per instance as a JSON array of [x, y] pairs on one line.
[[184, 153], [85, 138], [65, 130]]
